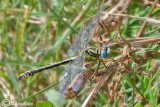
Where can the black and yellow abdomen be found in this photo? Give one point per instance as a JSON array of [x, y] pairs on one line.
[[32, 72]]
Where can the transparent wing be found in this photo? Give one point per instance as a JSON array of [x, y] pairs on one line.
[[77, 63], [84, 35], [70, 72], [76, 46], [95, 20], [64, 81], [82, 41], [76, 83]]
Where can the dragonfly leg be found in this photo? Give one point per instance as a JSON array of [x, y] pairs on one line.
[[104, 64], [98, 65], [89, 65], [90, 80]]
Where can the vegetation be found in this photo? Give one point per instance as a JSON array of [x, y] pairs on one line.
[[36, 33]]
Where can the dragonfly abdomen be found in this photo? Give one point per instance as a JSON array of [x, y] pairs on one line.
[[33, 72]]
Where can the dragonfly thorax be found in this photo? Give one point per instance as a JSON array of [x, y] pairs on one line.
[[93, 53]]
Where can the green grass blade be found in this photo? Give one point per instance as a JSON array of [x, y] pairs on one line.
[[37, 93]]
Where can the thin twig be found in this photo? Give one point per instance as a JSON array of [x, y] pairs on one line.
[[144, 23], [143, 42], [149, 20]]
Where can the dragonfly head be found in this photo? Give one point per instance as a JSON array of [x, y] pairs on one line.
[[105, 50]]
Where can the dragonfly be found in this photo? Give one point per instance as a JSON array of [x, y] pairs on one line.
[[92, 54], [78, 53]]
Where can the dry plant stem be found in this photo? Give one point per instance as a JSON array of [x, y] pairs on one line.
[[144, 23], [126, 50], [101, 3], [134, 79], [149, 20], [119, 33], [142, 38], [106, 18], [143, 42], [109, 71], [147, 2], [126, 53], [82, 12], [110, 40], [117, 83], [139, 41], [98, 86], [122, 3], [107, 41]]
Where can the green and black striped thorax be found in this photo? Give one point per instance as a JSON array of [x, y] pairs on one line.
[[92, 54]]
